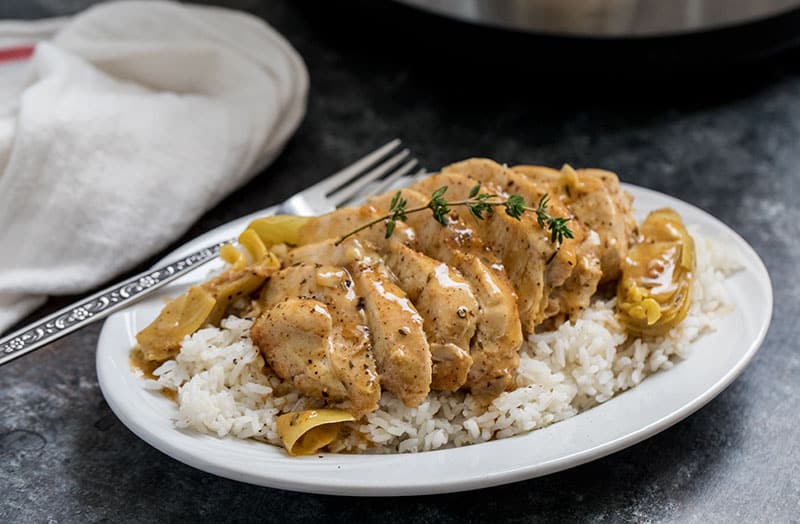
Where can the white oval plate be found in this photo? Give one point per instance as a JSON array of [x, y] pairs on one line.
[[659, 402]]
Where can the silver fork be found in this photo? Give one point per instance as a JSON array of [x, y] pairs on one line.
[[375, 173]]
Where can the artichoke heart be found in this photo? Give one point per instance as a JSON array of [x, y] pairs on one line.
[[180, 317], [654, 293], [253, 251], [234, 284], [306, 432], [203, 304], [278, 229]]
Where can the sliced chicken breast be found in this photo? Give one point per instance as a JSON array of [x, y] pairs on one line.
[[498, 336], [314, 333], [440, 294], [524, 250], [400, 347], [448, 309], [596, 199], [572, 270]]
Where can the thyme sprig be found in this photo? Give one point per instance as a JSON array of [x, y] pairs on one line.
[[556, 225], [479, 205]]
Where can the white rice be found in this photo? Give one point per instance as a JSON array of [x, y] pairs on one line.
[[224, 391]]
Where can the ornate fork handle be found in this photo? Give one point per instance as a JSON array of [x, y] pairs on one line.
[[99, 305]]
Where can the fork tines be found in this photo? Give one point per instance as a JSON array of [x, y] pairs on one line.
[[381, 168]]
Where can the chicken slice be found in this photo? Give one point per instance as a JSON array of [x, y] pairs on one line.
[[401, 349], [440, 294], [621, 227], [596, 199], [498, 335], [313, 333], [523, 249], [448, 309], [572, 271], [505, 182]]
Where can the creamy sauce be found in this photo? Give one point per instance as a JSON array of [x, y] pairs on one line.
[[170, 394], [351, 291], [442, 275], [400, 301], [593, 239], [659, 270], [330, 278], [144, 368], [318, 308], [463, 234], [490, 282], [141, 366]]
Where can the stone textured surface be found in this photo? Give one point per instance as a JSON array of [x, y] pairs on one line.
[[727, 140]]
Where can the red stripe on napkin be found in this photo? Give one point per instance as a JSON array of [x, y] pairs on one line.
[[11, 54]]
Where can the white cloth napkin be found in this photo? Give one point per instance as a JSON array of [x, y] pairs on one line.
[[127, 123]]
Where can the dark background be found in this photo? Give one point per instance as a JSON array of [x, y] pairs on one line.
[[713, 120]]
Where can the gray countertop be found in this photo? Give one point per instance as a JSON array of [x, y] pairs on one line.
[[727, 141]]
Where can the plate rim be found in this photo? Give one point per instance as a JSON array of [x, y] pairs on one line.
[[523, 472]]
